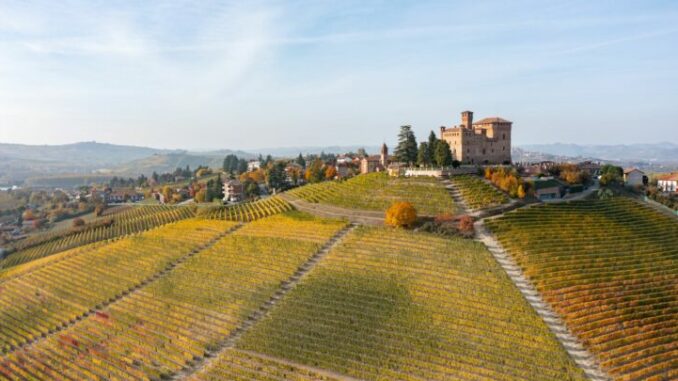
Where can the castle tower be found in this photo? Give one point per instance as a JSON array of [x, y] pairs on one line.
[[383, 159], [467, 119]]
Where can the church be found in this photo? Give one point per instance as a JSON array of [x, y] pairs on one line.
[[487, 141]]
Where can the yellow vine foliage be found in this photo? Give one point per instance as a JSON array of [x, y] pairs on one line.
[[401, 214]]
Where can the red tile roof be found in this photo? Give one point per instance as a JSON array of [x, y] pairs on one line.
[[492, 120]]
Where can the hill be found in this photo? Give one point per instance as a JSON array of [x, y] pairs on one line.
[[658, 152], [162, 163]]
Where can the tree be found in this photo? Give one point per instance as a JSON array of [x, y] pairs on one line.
[[314, 172], [521, 191], [251, 188], [99, 210], [432, 143], [214, 189], [423, 155], [300, 160], [401, 214], [330, 172], [230, 163], [275, 177], [200, 196], [466, 225], [361, 152], [443, 156], [611, 175], [242, 166], [167, 193], [406, 151]]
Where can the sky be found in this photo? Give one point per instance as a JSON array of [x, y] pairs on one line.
[[250, 74]]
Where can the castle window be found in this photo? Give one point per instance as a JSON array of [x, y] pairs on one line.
[[483, 151], [503, 148], [504, 136]]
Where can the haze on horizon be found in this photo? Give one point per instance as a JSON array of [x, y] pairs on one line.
[[247, 75]]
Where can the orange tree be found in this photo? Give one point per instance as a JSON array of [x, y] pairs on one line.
[[401, 214]]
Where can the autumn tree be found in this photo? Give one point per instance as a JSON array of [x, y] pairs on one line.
[[167, 193], [466, 225], [314, 172], [200, 196], [330, 172], [401, 214], [521, 191], [406, 151]]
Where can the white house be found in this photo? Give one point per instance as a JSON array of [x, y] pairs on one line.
[[668, 183], [253, 165], [233, 191], [633, 177]]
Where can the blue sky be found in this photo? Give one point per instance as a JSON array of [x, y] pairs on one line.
[[249, 74]]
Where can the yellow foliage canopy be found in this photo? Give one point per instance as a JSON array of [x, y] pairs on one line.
[[401, 214]]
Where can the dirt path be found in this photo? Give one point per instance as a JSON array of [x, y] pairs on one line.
[[582, 357], [265, 308], [359, 216]]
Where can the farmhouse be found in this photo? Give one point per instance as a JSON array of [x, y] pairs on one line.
[[547, 189], [233, 191], [633, 177], [668, 183], [487, 141], [375, 163]]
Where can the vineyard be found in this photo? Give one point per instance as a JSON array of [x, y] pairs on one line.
[[248, 211], [377, 191], [130, 221], [391, 304], [39, 297], [156, 330], [477, 193], [610, 269]]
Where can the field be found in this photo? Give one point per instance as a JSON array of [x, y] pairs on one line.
[[477, 193], [248, 211], [41, 296], [390, 304], [162, 326], [132, 220], [610, 268], [377, 191]]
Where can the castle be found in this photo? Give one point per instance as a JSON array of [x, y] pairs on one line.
[[487, 141]]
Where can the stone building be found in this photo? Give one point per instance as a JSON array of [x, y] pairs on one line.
[[487, 141], [375, 163]]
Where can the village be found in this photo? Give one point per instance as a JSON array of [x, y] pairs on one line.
[[472, 148]]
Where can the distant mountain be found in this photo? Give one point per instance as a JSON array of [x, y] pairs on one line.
[[162, 163], [659, 152], [294, 151], [86, 154]]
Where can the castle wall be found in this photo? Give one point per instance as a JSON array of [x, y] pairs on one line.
[[488, 143]]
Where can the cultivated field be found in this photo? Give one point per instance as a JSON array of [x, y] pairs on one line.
[[378, 191], [43, 295], [477, 193], [248, 211], [164, 325], [396, 305], [610, 268], [130, 221]]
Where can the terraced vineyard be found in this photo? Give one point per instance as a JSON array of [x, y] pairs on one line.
[[396, 305], [477, 193], [39, 297], [610, 268], [158, 329], [248, 211], [133, 220], [377, 191]]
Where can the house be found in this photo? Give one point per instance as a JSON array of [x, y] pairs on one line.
[[342, 169], [668, 183], [253, 165], [375, 163], [547, 189], [234, 191], [633, 177]]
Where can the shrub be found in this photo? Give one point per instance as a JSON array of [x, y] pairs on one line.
[[77, 222], [466, 225], [401, 214]]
